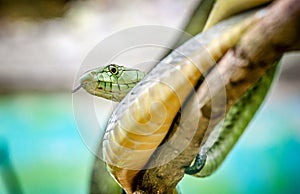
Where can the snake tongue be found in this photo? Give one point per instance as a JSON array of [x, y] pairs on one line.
[[76, 89]]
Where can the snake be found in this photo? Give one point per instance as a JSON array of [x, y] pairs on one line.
[[127, 128]]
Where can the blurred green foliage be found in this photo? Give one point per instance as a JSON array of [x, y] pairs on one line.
[[37, 9]]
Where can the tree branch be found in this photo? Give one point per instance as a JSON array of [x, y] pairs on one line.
[[240, 68]]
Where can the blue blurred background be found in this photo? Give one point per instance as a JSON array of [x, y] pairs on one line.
[[38, 64]]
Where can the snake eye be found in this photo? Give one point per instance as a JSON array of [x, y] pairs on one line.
[[113, 69]]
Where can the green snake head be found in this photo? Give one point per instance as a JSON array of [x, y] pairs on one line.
[[112, 82]]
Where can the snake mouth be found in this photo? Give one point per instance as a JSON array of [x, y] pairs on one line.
[[108, 86]]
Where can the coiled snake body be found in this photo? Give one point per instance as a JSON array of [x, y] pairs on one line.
[[143, 118]]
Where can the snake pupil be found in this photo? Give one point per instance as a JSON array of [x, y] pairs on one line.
[[113, 70]]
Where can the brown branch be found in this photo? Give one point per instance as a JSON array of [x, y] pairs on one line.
[[240, 68]]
